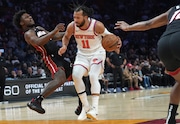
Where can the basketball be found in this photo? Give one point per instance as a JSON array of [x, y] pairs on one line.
[[111, 42]]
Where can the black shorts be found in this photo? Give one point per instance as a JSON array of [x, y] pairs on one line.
[[61, 62], [169, 51]]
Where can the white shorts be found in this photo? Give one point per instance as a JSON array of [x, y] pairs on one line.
[[87, 60]]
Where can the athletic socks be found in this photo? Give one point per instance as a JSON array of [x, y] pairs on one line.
[[95, 102], [83, 97], [171, 114]]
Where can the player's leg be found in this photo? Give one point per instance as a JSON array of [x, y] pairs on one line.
[[77, 75], [80, 69], [172, 64], [78, 72], [59, 79], [79, 107], [174, 101], [95, 90], [87, 85], [96, 68]]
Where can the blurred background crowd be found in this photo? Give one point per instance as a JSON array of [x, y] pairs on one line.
[[139, 48]]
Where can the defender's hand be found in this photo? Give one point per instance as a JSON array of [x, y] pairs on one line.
[[121, 25], [60, 27]]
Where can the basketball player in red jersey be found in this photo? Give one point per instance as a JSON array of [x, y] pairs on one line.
[[44, 42], [169, 41], [90, 57]]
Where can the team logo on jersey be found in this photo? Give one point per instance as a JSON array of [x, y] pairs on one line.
[[41, 33], [95, 60]]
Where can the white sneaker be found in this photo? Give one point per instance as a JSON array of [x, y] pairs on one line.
[[82, 115], [91, 114]]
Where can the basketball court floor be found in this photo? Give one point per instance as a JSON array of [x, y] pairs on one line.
[[133, 107]]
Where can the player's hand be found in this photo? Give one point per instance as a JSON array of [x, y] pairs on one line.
[[62, 50], [121, 25], [60, 27]]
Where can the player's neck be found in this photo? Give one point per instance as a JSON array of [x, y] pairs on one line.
[[29, 27], [86, 24]]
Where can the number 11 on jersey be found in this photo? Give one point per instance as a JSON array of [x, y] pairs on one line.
[[85, 44]]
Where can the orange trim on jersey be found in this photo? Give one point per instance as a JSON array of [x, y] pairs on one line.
[[94, 28], [173, 73]]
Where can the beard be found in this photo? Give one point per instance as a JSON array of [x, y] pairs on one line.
[[81, 24]]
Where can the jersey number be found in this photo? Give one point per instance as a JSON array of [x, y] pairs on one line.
[[85, 44]]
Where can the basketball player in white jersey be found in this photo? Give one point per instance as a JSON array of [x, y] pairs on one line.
[[90, 57]]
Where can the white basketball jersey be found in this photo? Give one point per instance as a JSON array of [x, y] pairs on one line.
[[88, 42]]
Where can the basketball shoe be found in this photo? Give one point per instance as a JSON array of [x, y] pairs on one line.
[[35, 105], [91, 114], [82, 115]]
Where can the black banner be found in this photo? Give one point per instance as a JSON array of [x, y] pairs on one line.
[[31, 87]]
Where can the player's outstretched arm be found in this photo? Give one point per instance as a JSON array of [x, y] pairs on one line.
[[155, 22], [32, 39]]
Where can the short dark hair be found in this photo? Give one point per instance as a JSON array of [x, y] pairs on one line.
[[86, 10], [17, 18]]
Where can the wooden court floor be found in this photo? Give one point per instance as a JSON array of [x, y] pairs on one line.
[[133, 107]]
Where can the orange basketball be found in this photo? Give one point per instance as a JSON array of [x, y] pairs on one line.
[[111, 42]]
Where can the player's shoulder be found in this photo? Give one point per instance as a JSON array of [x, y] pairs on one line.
[[71, 25], [99, 24], [29, 32], [99, 27]]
